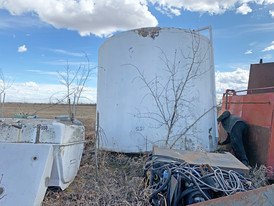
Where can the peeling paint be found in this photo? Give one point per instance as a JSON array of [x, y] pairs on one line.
[[151, 32]]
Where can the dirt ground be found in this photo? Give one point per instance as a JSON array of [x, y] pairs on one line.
[[116, 180]]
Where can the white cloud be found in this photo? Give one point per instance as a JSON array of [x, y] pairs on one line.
[[269, 1], [64, 62], [42, 72], [244, 9], [236, 80], [99, 17], [248, 51], [33, 92], [210, 6], [269, 48], [104, 17], [22, 48], [271, 12], [61, 51], [57, 74], [31, 84], [267, 57], [261, 27]]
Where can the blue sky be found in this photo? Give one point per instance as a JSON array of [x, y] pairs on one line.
[[38, 38]]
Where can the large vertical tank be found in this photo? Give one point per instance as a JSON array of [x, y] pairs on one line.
[[156, 86]]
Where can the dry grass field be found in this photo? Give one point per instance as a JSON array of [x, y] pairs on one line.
[[85, 113], [118, 177]]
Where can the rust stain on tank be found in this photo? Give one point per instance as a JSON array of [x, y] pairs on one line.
[[151, 32]]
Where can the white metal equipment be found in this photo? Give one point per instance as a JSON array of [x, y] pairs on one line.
[[35, 154], [129, 115]]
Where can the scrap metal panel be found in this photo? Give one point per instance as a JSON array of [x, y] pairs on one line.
[[224, 161], [24, 173], [262, 197]]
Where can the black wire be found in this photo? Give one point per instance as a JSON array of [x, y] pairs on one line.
[[162, 187], [198, 186], [178, 189], [185, 173], [186, 192]]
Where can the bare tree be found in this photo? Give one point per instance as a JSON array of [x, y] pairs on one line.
[[5, 84], [168, 94], [75, 80]]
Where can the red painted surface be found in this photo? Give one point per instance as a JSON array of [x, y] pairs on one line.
[[258, 111]]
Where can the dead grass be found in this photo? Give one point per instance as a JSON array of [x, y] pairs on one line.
[[258, 175], [115, 184]]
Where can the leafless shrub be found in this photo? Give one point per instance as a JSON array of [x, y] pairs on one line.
[[5, 84], [74, 80]]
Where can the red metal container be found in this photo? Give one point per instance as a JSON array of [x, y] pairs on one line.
[[258, 111]]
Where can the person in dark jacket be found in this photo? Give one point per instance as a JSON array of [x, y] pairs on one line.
[[237, 130]]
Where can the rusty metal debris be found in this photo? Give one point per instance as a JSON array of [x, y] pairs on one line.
[[224, 160], [172, 180], [262, 196]]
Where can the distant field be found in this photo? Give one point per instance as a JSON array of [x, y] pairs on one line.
[[85, 113]]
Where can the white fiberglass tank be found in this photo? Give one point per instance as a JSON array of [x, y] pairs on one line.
[[35, 154], [156, 86]]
